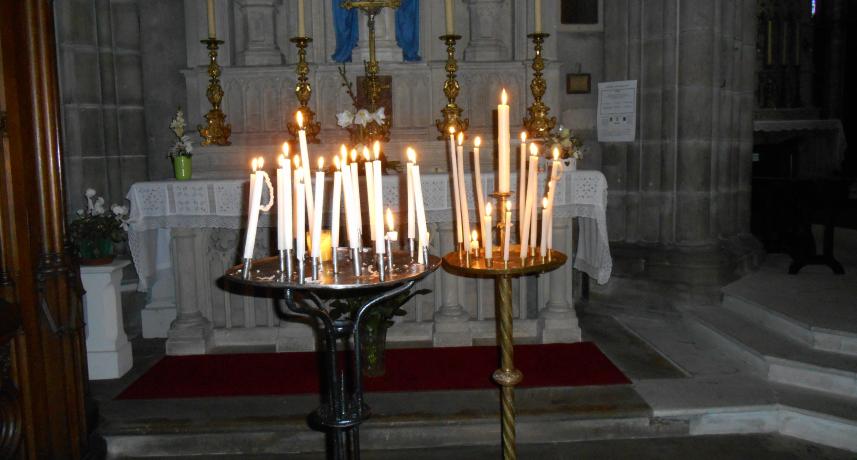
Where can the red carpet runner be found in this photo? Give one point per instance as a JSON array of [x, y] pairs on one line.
[[421, 369]]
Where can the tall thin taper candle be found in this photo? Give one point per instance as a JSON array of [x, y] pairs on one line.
[[370, 191], [488, 237], [335, 211], [284, 201], [409, 180], [522, 182], [462, 193], [350, 218], [530, 204], [456, 192], [421, 213], [477, 187], [315, 233], [253, 214], [543, 248], [300, 213], [378, 206], [355, 185], [507, 231], [503, 145], [305, 163]]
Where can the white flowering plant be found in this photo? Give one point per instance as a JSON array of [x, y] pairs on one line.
[[182, 146], [364, 126], [570, 146], [98, 223]]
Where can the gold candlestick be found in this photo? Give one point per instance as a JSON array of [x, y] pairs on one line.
[[451, 112], [303, 91], [538, 124], [216, 131]]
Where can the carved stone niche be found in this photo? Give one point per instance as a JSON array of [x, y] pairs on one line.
[[256, 32]]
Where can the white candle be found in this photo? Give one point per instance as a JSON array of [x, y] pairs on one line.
[[315, 233], [462, 193], [503, 145], [305, 163], [300, 212], [409, 179], [477, 182], [370, 191], [543, 248], [284, 201], [355, 186], [350, 219], [556, 175], [378, 206], [253, 215], [450, 12], [538, 16], [522, 182], [488, 236], [508, 231], [250, 187], [456, 192], [212, 25], [474, 242], [530, 204], [335, 211], [392, 234], [420, 211], [301, 24]]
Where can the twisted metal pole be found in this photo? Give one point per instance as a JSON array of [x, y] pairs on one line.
[[507, 376]]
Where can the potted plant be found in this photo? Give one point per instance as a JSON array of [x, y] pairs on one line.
[[181, 150], [96, 229], [570, 146]]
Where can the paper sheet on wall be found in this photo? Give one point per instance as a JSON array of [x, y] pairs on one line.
[[617, 111]]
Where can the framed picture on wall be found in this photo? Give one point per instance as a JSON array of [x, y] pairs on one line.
[[581, 16]]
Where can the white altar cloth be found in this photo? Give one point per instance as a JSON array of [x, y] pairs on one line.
[[156, 206]]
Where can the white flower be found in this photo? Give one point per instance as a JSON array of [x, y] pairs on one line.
[[118, 210], [344, 119], [80, 212], [90, 193], [178, 123], [362, 117], [379, 116], [188, 146], [98, 207]]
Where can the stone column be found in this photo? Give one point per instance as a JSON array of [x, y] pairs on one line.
[[486, 20], [190, 331], [386, 49], [558, 321], [451, 326], [108, 351], [258, 24]]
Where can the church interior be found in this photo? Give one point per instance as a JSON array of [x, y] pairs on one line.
[[472, 229]]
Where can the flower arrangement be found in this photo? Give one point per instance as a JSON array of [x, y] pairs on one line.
[[97, 227], [182, 146], [570, 146], [364, 127]]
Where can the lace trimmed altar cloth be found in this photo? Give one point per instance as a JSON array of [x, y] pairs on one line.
[[159, 206]]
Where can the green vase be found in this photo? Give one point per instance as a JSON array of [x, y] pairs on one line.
[[95, 252], [182, 163]]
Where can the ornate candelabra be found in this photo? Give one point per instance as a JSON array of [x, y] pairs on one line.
[[303, 91], [451, 112], [215, 131], [538, 124]]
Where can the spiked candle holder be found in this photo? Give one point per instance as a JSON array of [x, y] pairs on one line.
[[537, 123], [303, 91], [451, 111], [215, 131]]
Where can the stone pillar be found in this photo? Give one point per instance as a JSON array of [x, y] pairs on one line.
[[485, 42], [451, 327], [190, 331], [386, 49], [258, 21], [558, 321], [108, 351]]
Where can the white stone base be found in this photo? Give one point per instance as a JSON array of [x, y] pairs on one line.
[[157, 317], [110, 364]]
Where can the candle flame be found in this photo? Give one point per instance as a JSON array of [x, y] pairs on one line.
[[504, 98], [545, 202], [343, 152], [366, 153], [297, 161], [461, 138], [474, 236], [523, 136], [451, 130], [477, 142], [285, 148], [354, 155], [534, 149], [508, 206], [389, 219], [488, 209], [261, 162], [412, 155], [300, 118], [336, 162], [254, 164], [555, 153], [376, 149], [321, 163]]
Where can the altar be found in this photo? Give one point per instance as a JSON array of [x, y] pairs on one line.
[[185, 234]]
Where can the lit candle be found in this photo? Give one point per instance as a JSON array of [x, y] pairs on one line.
[[522, 182], [477, 182], [456, 192], [556, 175], [409, 179], [503, 145], [462, 192], [543, 248], [378, 206], [508, 231], [306, 164], [392, 234], [474, 243], [335, 211], [530, 203], [212, 25], [422, 228], [284, 201], [301, 25], [300, 212], [355, 185], [538, 16], [255, 204], [370, 191], [450, 12], [348, 192], [315, 233], [488, 237]]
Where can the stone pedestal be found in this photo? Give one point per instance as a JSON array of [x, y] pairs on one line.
[[558, 319], [190, 331], [451, 326], [485, 44], [108, 350], [259, 40]]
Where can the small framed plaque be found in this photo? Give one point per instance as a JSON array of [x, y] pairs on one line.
[[578, 83]]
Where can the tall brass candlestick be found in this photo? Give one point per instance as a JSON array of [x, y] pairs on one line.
[[216, 131], [303, 91], [538, 124], [451, 112]]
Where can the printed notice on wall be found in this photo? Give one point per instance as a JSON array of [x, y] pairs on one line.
[[617, 111]]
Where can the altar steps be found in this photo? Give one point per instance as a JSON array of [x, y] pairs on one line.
[[278, 425]]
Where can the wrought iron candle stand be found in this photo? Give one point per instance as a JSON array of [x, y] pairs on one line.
[[342, 409], [303, 91], [215, 131], [451, 112], [502, 272], [538, 124]]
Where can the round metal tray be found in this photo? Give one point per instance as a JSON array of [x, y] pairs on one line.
[[457, 262]]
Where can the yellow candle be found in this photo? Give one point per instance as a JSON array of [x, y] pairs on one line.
[[538, 16], [301, 26], [450, 11], [211, 24]]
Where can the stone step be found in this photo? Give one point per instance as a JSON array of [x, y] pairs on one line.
[[278, 425], [820, 338], [776, 356]]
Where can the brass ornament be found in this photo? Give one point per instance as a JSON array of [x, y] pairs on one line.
[[538, 124], [303, 91], [215, 131], [451, 111]]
